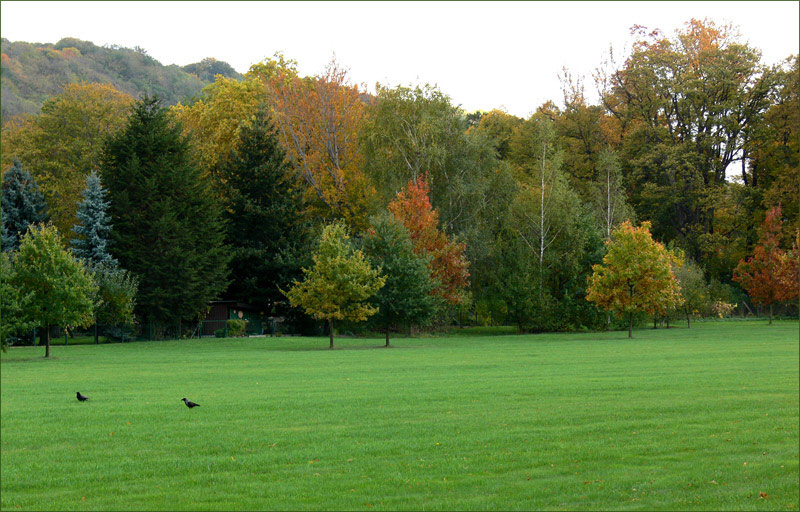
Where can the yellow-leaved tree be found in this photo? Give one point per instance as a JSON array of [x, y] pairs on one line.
[[340, 283], [319, 119], [635, 276], [62, 145]]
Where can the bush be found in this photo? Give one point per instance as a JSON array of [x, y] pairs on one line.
[[219, 333], [237, 327], [722, 309]]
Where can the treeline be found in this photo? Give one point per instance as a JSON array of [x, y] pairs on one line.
[[228, 195], [33, 72]]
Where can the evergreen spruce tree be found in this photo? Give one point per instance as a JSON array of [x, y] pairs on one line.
[[94, 228], [168, 230], [265, 222], [22, 205]]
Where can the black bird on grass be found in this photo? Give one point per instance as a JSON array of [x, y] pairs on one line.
[[81, 397], [190, 404]]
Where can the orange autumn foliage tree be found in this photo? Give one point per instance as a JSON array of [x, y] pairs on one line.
[[770, 275], [449, 266], [319, 119]]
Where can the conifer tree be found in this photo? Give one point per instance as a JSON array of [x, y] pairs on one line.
[[167, 227], [265, 223], [22, 205], [94, 228]]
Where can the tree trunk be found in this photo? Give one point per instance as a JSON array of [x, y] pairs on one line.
[[655, 320], [387, 335], [47, 340], [96, 337], [330, 327], [688, 320], [630, 325], [770, 314]]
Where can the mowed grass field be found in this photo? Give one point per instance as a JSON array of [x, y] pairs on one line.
[[702, 419]]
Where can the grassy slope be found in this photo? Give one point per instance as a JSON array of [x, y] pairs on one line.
[[705, 418]]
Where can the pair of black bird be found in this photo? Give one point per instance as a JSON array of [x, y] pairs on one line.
[[189, 403]]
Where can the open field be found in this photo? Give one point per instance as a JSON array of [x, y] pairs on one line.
[[702, 418]]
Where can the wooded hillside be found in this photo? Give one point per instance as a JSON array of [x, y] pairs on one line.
[[32, 72]]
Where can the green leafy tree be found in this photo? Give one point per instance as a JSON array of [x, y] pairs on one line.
[[61, 291], [498, 126], [546, 204], [774, 149], [341, 282], [93, 229], [116, 297], [414, 131], [266, 228], [167, 225], [694, 289], [609, 200], [688, 106], [22, 205], [513, 285], [635, 276], [407, 297], [13, 303]]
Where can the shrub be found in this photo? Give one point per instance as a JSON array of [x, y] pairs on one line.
[[722, 309], [219, 333], [237, 327]]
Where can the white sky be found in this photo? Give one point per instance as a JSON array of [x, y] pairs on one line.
[[483, 55]]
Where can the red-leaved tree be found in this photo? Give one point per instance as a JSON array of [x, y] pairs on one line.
[[770, 275], [449, 266]]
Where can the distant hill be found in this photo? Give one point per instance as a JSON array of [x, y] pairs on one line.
[[32, 72]]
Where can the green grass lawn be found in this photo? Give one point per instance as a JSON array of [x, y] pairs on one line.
[[703, 418]]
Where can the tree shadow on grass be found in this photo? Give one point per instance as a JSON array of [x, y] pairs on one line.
[[7, 360]]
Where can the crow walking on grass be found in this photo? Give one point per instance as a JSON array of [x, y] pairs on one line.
[[81, 397], [190, 404]]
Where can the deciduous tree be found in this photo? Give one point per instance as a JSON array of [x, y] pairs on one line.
[[60, 290], [407, 296], [694, 289], [609, 198], [215, 119], [769, 276], [62, 145], [448, 266], [635, 276], [341, 282], [13, 303], [319, 119], [687, 106]]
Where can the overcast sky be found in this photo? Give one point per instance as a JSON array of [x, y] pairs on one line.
[[483, 55]]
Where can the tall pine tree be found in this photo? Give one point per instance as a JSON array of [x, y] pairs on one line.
[[167, 227], [22, 205], [265, 222], [94, 228]]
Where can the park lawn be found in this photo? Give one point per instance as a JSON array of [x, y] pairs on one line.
[[702, 419]]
